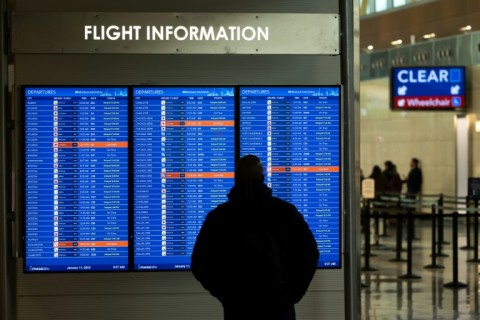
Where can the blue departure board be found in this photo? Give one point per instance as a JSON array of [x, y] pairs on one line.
[[184, 159], [76, 179], [296, 133]]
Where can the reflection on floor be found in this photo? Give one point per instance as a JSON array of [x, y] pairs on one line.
[[386, 296]]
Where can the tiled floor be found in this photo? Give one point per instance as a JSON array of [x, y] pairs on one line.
[[386, 296]]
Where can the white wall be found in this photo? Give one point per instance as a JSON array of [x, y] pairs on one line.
[[429, 136], [400, 136], [474, 115]]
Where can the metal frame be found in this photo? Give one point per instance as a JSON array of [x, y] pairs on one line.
[[287, 33], [437, 52], [349, 27], [351, 78], [7, 258]]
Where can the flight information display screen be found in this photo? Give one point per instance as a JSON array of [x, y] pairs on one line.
[[76, 178], [184, 158], [296, 133]]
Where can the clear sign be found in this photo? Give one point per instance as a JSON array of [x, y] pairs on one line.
[[428, 88]]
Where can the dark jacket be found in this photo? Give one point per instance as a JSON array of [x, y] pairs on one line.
[[218, 266], [394, 182], [414, 181], [381, 183]]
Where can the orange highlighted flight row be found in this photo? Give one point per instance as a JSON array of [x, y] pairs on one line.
[[83, 244], [120, 144], [198, 123], [197, 175], [305, 169]]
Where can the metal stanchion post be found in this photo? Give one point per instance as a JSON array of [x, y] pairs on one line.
[[440, 241], [409, 275], [475, 236], [440, 223], [366, 224], [455, 283], [434, 264], [398, 249], [414, 210], [385, 228], [376, 217], [468, 246]]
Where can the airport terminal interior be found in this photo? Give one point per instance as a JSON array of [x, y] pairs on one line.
[[420, 279], [394, 88]]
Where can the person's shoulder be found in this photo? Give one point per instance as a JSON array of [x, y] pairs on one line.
[[285, 205], [279, 201], [219, 211]]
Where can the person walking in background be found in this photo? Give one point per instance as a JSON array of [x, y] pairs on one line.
[[381, 184], [394, 182], [414, 179], [255, 253]]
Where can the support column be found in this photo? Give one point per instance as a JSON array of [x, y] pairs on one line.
[[7, 261]]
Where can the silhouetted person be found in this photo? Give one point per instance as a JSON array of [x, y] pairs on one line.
[[381, 184], [394, 182], [255, 253], [414, 179]]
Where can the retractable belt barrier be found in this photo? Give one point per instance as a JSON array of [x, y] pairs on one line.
[[400, 208]]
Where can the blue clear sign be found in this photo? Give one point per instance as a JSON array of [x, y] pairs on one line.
[[426, 88]]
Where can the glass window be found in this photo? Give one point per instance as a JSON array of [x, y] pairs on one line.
[[373, 6], [366, 7], [380, 5]]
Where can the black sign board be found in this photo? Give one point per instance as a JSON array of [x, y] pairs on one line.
[[474, 188]]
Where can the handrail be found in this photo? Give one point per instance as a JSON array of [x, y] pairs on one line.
[[402, 210], [467, 209], [461, 202], [400, 202], [435, 195], [455, 198]]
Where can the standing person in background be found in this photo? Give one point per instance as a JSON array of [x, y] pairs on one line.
[[394, 182], [414, 179], [381, 183], [255, 253]]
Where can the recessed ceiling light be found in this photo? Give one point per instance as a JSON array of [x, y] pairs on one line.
[[396, 42], [429, 36]]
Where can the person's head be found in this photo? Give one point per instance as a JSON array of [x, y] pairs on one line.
[[376, 171], [249, 168], [414, 163], [389, 165]]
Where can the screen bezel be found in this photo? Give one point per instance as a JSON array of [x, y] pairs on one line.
[[393, 95], [340, 148], [237, 93], [236, 150], [22, 179]]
